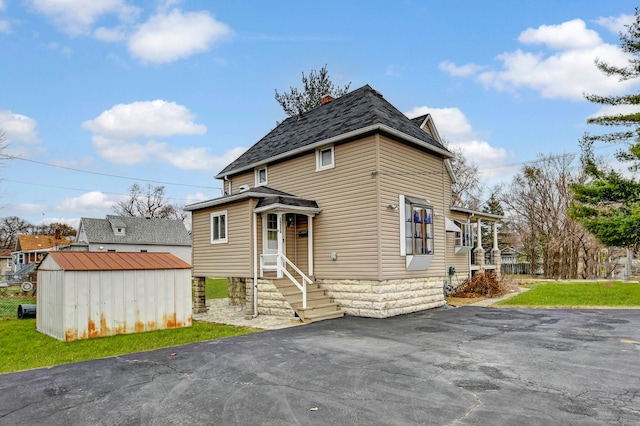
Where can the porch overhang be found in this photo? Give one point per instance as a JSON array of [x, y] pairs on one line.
[[284, 204], [474, 215]]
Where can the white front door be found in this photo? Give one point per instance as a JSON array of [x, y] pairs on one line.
[[272, 236]]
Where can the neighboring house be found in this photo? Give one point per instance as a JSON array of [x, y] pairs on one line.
[[351, 200], [6, 262], [30, 249], [134, 234]]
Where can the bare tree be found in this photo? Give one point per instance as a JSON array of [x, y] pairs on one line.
[[467, 190], [10, 228], [537, 201], [148, 202]]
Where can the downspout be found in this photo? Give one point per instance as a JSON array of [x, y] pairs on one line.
[[255, 265]]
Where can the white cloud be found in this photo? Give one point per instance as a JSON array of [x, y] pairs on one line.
[[64, 50], [29, 208], [460, 71], [18, 127], [616, 24], [157, 118], [72, 222], [90, 202], [200, 158], [569, 35], [565, 69], [5, 26], [167, 37], [199, 196], [3, 5], [455, 129], [76, 17], [125, 134], [110, 34]]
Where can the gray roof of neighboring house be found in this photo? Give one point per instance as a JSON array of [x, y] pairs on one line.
[[362, 109], [170, 232]]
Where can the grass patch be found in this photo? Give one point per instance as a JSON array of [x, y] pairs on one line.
[[463, 301], [23, 348], [216, 288], [577, 295]]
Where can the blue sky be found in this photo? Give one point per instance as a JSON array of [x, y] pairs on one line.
[[96, 95]]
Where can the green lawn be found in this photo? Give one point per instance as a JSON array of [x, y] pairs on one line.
[[576, 295], [23, 348], [216, 288]]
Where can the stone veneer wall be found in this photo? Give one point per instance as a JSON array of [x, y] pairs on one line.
[[382, 299], [237, 289], [270, 300]]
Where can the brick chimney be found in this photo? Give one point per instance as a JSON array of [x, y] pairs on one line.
[[326, 99]]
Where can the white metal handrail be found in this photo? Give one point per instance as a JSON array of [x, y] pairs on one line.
[[283, 261], [281, 266]]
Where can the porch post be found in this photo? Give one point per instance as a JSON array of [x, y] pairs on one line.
[[495, 251], [479, 251], [310, 242], [280, 240]]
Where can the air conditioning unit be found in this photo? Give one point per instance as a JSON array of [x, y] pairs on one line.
[[244, 188]]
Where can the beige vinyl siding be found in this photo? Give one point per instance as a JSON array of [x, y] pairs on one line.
[[408, 171], [458, 261], [347, 196], [231, 259]]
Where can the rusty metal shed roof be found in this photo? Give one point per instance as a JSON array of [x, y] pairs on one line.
[[111, 261]]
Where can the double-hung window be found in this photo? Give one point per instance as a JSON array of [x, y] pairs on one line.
[[219, 227], [325, 158]]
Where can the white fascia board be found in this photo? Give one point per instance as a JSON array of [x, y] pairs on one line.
[[475, 213], [335, 139], [287, 209]]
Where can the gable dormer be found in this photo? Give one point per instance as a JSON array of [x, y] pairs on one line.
[[117, 225]]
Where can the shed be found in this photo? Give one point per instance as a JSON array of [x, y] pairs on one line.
[[82, 295]]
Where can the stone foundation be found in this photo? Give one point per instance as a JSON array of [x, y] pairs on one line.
[[199, 305], [387, 298], [237, 289], [271, 301]]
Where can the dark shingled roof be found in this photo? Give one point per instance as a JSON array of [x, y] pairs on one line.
[[360, 109], [286, 201], [171, 232]]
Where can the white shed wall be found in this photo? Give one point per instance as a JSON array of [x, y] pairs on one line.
[[86, 304]]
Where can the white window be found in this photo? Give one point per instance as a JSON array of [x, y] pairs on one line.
[[219, 227], [325, 158], [416, 232], [464, 238], [261, 175]]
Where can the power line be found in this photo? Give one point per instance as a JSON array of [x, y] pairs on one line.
[[10, 157]]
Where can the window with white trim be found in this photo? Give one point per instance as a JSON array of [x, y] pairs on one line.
[[325, 158], [261, 175], [219, 227], [418, 228], [464, 238]]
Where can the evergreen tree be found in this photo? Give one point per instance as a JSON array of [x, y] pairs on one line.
[[315, 86], [608, 204]]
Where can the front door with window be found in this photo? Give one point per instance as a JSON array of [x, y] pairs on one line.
[[271, 235]]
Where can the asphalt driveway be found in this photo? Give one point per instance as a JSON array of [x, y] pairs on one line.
[[465, 366]]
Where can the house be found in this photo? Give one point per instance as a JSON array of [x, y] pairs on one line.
[[134, 234], [30, 249], [349, 204], [6, 262], [82, 295]]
